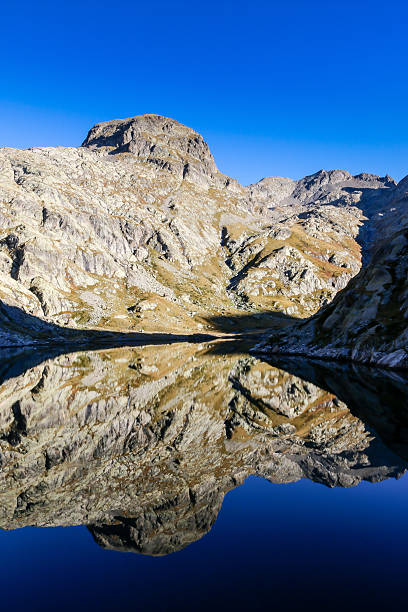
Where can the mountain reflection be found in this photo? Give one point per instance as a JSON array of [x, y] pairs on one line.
[[141, 444]]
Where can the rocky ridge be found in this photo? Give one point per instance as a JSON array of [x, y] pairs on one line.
[[137, 230]]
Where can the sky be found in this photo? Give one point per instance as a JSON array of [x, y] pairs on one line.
[[276, 88]]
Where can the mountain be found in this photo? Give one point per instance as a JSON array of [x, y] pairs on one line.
[[138, 230], [366, 322]]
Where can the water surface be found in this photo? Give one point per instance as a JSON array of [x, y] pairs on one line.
[[198, 476]]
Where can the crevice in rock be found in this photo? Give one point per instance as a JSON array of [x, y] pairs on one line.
[[16, 252]]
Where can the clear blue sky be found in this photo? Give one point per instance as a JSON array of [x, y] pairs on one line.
[[276, 88]]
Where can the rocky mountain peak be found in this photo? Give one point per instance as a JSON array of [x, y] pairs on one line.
[[272, 188], [156, 139], [323, 177], [386, 181]]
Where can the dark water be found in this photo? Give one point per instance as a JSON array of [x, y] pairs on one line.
[[196, 478]]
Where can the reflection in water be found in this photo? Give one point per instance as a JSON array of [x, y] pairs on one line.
[[142, 444]]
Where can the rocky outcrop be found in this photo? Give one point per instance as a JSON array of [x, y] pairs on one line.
[[162, 142], [137, 230], [142, 444]]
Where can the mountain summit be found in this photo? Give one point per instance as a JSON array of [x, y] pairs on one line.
[[159, 140]]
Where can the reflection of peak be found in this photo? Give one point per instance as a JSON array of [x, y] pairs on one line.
[[166, 528], [156, 436]]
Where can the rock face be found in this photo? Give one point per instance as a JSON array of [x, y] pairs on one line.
[[160, 141], [137, 230], [368, 321], [142, 444]]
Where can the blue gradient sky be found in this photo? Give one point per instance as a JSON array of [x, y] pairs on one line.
[[276, 88]]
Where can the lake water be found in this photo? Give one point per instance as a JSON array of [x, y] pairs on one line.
[[197, 477]]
